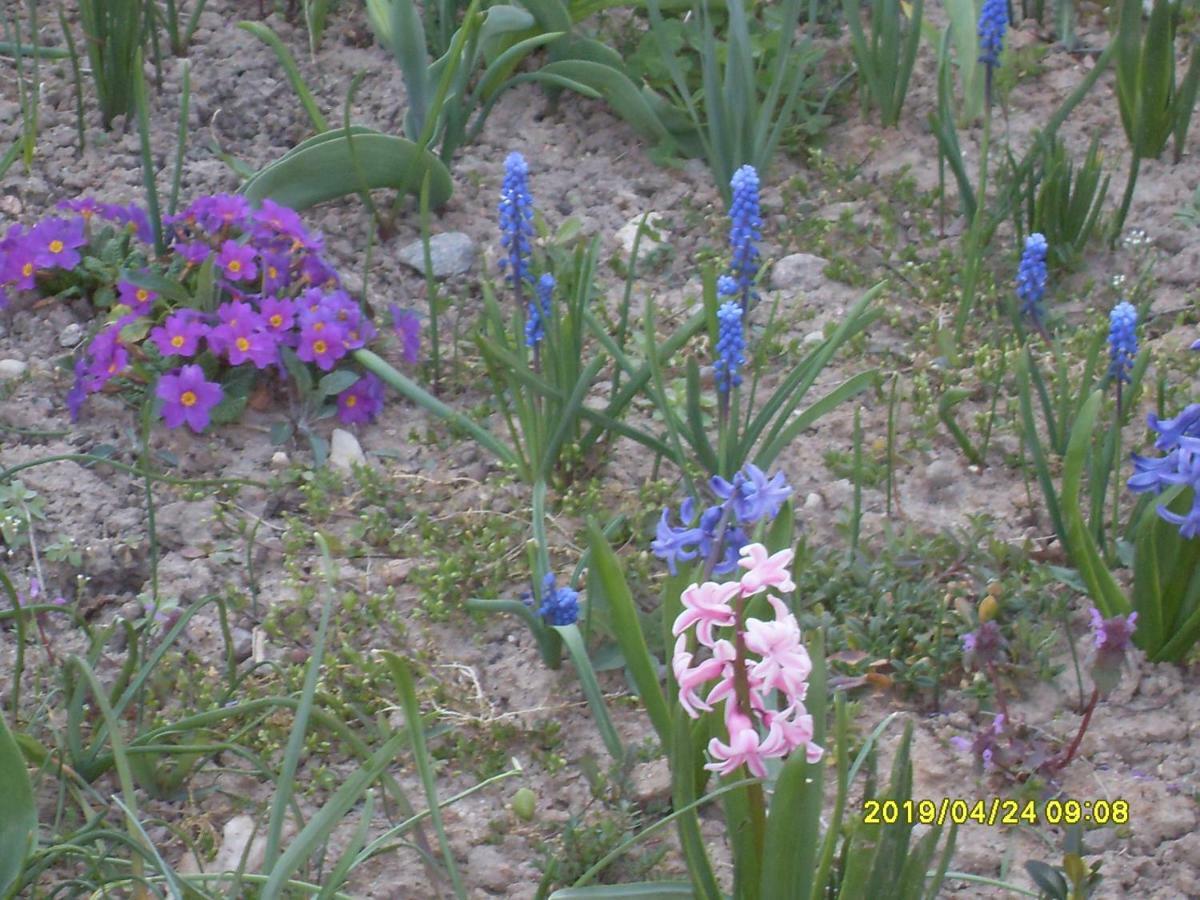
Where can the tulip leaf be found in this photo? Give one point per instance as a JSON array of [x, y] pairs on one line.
[[326, 167]]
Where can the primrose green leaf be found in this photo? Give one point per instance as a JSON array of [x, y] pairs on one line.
[[336, 382]]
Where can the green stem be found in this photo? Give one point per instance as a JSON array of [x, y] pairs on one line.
[[974, 235], [1135, 164]]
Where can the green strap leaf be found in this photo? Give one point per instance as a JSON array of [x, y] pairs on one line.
[[268, 37], [629, 632], [18, 815]]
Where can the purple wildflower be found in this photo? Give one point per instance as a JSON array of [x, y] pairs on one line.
[[236, 261], [179, 335], [323, 344], [277, 314], [56, 242], [259, 347], [407, 324], [361, 402], [188, 397], [138, 299]]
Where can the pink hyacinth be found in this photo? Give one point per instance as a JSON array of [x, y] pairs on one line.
[[769, 652]]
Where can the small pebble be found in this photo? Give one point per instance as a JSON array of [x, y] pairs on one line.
[[279, 460], [71, 335], [12, 369]]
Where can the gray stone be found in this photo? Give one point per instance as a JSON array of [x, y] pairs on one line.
[[654, 229], [452, 253], [279, 460], [12, 369], [71, 335], [651, 782], [344, 451], [243, 643], [941, 474], [799, 272]]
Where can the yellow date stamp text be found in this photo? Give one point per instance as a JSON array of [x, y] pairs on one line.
[[995, 811]]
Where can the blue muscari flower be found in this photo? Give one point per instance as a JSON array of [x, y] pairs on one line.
[[560, 605], [753, 495], [539, 311], [516, 221], [727, 286], [1122, 340], [745, 230], [1031, 276], [730, 346], [993, 21]]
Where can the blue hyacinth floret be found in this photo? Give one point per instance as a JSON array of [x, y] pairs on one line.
[[993, 22], [1180, 438], [1031, 276], [731, 345], [560, 605], [1122, 341], [745, 230], [752, 496], [539, 311], [516, 221]]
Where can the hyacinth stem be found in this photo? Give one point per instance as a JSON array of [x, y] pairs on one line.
[[741, 684], [718, 546], [1116, 473]]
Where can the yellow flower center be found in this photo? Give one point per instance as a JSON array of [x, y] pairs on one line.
[[276, 320], [142, 295], [272, 271], [27, 269], [234, 266], [187, 398], [243, 344], [56, 246], [318, 326], [319, 347], [177, 341], [351, 400]]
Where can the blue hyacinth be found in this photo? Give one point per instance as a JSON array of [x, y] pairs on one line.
[[539, 311], [745, 231], [993, 22], [516, 222], [731, 344], [1122, 341], [751, 497], [1031, 276], [1180, 438], [560, 605]]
